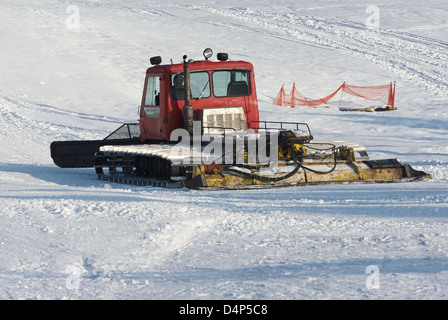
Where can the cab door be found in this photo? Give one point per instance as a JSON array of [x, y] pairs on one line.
[[152, 111]]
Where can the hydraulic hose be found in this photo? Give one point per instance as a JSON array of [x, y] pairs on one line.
[[267, 179], [297, 158]]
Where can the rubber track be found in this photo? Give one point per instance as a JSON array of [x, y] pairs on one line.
[[140, 181]]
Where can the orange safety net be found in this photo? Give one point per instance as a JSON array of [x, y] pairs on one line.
[[384, 94]]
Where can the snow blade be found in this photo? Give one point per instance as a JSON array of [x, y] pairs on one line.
[[81, 154]]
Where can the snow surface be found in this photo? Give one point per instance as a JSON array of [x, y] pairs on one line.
[[66, 235]]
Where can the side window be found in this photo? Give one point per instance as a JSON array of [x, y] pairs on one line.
[[231, 83], [152, 91]]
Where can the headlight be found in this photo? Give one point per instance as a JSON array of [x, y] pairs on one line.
[[155, 60], [207, 53]]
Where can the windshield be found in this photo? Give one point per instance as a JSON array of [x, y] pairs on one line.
[[199, 85], [226, 83], [231, 83]]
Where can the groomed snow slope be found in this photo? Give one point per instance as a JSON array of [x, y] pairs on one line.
[[66, 235]]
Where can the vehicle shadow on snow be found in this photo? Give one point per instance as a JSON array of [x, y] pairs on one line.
[[64, 184], [400, 200], [355, 267], [83, 177]]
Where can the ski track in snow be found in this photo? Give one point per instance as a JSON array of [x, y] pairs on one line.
[[52, 110], [421, 60], [126, 242], [12, 115]]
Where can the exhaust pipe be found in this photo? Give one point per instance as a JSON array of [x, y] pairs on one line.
[[187, 109]]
